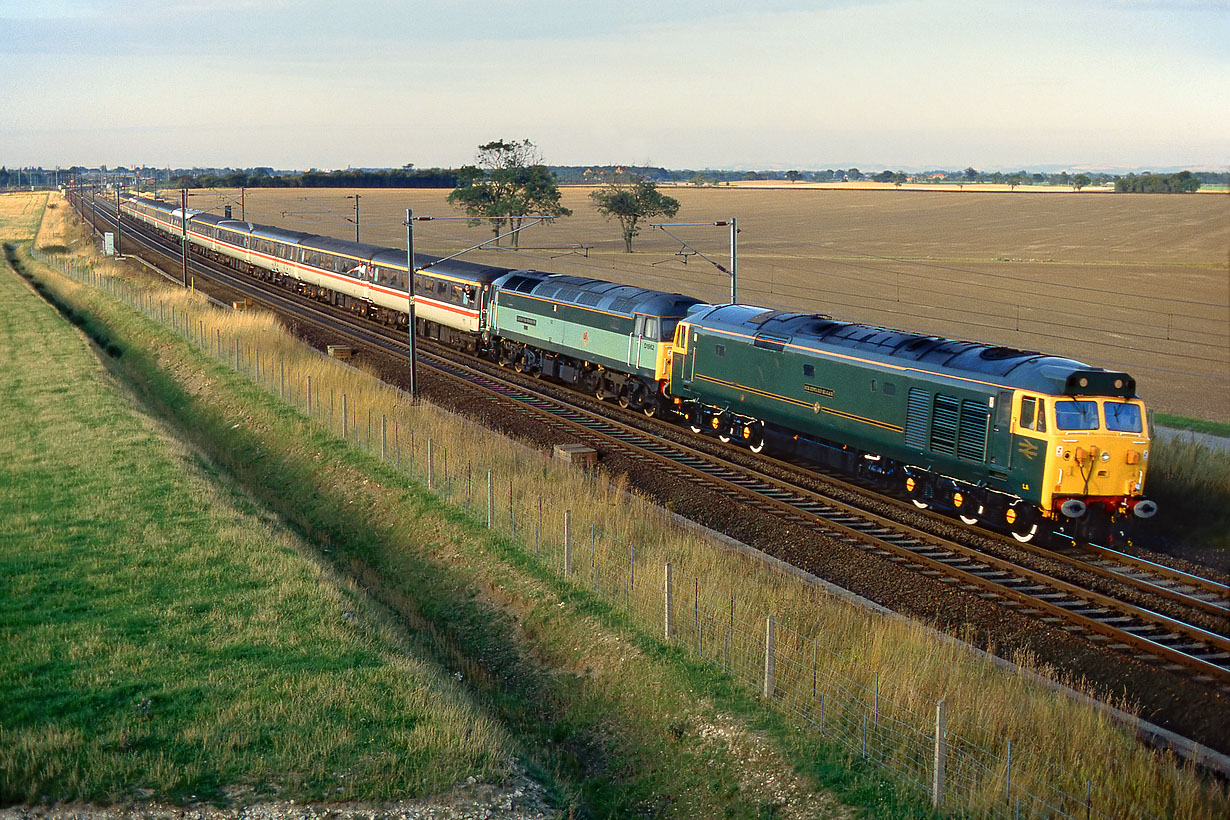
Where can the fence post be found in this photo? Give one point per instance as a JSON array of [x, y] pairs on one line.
[[876, 723], [431, 464], [490, 499], [384, 436], [567, 543], [941, 748], [666, 597], [768, 657], [1008, 772], [345, 412]]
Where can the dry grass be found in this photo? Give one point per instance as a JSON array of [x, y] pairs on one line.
[[1134, 283], [1055, 743], [20, 214]]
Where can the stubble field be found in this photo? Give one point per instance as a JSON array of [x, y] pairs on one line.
[[1128, 282]]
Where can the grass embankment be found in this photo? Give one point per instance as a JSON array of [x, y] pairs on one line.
[[608, 721], [160, 634], [1191, 483], [618, 719]]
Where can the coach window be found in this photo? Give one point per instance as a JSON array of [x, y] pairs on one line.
[[1029, 408], [719, 350], [809, 371]]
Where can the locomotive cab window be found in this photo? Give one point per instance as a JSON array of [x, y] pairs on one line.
[[639, 327], [1029, 408], [651, 327], [1076, 415], [1123, 417]]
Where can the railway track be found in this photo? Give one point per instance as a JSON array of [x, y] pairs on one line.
[[1103, 619]]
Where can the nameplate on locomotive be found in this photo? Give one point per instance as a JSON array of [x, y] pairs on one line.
[[819, 391]]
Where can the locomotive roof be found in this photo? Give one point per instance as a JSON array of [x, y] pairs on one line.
[[1028, 370], [607, 296]]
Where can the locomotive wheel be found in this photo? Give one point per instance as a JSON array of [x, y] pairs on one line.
[[1022, 523], [968, 519], [695, 421], [650, 408], [751, 433], [624, 399]]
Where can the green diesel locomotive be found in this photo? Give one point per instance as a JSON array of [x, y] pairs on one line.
[[611, 340], [1007, 437]]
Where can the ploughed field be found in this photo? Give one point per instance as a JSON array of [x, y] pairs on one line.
[[1129, 282]]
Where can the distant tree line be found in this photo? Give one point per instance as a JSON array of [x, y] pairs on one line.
[[1184, 182], [404, 177], [410, 177]]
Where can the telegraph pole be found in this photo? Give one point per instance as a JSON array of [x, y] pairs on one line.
[[734, 260], [414, 390], [243, 211], [733, 270], [183, 224], [356, 216], [119, 225]]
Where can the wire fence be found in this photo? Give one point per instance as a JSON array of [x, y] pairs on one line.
[[975, 774]]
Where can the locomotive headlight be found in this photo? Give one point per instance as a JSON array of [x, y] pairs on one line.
[[1106, 455]]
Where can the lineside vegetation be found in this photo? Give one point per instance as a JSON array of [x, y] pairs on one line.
[[492, 607]]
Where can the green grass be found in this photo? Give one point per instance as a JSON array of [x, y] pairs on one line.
[[1213, 428], [162, 635], [1191, 483]]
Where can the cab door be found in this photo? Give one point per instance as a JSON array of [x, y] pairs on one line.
[[634, 342], [999, 450]]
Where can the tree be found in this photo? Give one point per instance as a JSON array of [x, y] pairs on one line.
[[793, 176], [1015, 180], [899, 178], [507, 182], [631, 199], [1080, 181], [971, 173], [883, 176]]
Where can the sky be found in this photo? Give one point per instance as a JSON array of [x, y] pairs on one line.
[[759, 84]]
